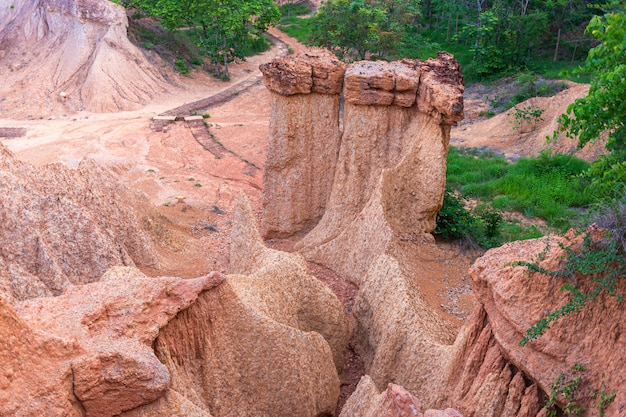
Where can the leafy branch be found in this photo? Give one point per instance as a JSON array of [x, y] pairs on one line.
[[601, 262]]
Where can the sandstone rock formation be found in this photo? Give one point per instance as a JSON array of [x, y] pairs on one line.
[[267, 343], [482, 381], [390, 174], [64, 227], [399, 337], [484, 372], [395, 401], [304, 140], [89, 351], [514, 299], [63, 56], [388, 185]]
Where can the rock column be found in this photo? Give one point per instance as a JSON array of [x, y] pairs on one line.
[[390, 176], [304, 140]]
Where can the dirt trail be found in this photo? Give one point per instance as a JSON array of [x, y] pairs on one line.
[[170, 163], [207, 165]]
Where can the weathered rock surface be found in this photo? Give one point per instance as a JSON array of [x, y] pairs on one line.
[[399, 337], [89, 351], [304, 140], [64, 227], [390, 175], [482, 381], [441, 89], [396, 121], [268, 343], [70, 55], [387, 188], [514, 299], [395, 401], [315, 71]]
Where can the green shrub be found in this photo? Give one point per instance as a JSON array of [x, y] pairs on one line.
[[549, 186], [453, 220], [294, 9], [180, 66]]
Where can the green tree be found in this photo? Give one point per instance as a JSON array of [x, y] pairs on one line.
[[221, 26], [604, 108], [350, 28], [355, 28]]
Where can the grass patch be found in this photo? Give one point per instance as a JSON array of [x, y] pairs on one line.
[[297, 27], [293, 25], [548, 187], [294, 9]]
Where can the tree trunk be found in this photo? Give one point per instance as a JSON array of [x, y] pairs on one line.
[[478, 6], [574, 53], [556, 48]]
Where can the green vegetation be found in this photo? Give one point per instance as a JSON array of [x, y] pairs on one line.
[[490, 39], [527, 85], [604, 108], [354, 29], [602, 262], [524, 117], [222, 30], [548, 187], [566, 385], [288, 10]]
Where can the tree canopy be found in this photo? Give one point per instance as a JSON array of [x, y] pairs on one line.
[[604, 108], [356, 28], [501, 35], [221, 26]]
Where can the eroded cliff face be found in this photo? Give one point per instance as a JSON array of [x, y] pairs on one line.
[[389, 170], [63, 227], [514, 299], [88, 351], [387, 187], [268, 342], [68, 55], [304, 140]]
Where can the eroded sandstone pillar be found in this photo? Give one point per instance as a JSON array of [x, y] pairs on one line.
[[390, 176], [304, 140]]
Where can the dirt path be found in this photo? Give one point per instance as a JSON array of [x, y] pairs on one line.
[[171, 162], [193, 170]]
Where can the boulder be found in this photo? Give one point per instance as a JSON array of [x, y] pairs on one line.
[[89, 351], [395, 401], [315, 71], [514, 299]]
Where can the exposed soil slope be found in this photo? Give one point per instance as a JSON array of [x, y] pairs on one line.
[[529, 139], [62, 56]]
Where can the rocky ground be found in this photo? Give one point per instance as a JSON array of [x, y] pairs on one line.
[[193, 172], [170, 163]]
